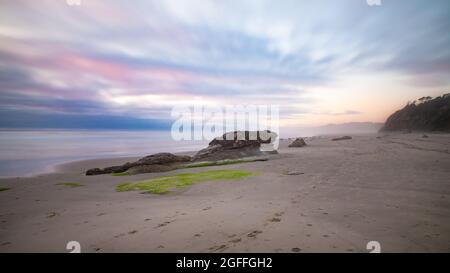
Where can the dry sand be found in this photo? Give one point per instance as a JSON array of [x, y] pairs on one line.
[[394, 189]]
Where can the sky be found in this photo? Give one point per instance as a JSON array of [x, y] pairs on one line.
[[126, 64]]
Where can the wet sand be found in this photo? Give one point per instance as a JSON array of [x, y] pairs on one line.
[[390, 188]]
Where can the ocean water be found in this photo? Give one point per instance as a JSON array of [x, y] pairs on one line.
[[31, 152]]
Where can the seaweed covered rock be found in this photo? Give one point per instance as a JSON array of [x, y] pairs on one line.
[[159, 162]]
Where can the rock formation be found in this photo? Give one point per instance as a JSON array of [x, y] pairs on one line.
[[298, 142], [237, 144], [427, 114], [160, 162], [233, 145]]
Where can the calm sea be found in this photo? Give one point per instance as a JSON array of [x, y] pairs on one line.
[[30, 152]]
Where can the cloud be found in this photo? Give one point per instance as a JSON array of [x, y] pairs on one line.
[[346, 113], [137, 59]]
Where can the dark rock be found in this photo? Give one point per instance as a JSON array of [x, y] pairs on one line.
[[298, 142], [427, 114], [113, 169], [94, 171], [342, 138], [161, 159], [153, 163], [237, 144], [424, 136]]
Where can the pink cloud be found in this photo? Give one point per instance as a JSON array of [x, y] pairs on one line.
[[106, 69]]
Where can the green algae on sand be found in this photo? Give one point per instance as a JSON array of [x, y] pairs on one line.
[[164, 184]]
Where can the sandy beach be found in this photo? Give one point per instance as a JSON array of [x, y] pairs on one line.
[[390, 188]]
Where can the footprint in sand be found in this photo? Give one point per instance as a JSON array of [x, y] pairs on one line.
[[163, 224], [207, 208], [132, 232], [218, 248], [277, 217], [52, 214], [237, 240], [254, 233]]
